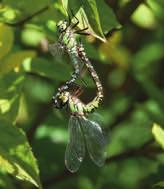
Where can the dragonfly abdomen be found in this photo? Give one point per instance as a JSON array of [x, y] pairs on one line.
[[96, 101]]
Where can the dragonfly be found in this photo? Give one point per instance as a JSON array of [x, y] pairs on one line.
[[69, 42], [83, 133]]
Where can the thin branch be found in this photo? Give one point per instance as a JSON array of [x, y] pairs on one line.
[[28, 18], [57, 178], [39, 76], [147, 150]]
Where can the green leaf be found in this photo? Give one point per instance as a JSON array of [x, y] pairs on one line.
[[161, 184], [87, 13], [6, 40], [108, 20], [10, 84], [144, 17], [4, 105], [26, 8], [10, 90], [92, 14], [16, 156], [158, 133], [144, 65], [42, 89], [156, 7], [6, 181], [14, 60], [157, 95], [32, 36], [9, 108], [50, 69]]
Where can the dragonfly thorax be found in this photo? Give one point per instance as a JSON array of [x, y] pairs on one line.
[[75, 105], [67, 37]]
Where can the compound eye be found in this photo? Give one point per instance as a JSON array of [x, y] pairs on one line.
[[65, 22], [62, 25]]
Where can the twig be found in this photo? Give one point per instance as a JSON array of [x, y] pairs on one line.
[[28, 18], [147, 150], [57, 178]]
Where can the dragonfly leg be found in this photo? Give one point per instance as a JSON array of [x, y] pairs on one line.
[[78, 31], [75, 85], [74, 26], [69, 15], [81, 31], [69, 20], [84, 29], [77, 20], [84, 82], [79, 91]]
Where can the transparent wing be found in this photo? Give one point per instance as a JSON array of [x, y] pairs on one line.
[[56, 49], [95, 140], [98, 118], [75, 150]]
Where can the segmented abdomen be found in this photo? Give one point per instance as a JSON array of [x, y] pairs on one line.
[[96, 101], [69, 43]]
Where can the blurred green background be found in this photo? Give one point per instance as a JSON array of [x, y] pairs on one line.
[[131, 67]]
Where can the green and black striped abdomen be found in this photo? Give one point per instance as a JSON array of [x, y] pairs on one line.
[[76, 65], [68, 42], [96, 101]]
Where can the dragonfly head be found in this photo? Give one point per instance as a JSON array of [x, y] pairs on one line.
[[62, 25], [60, 100]]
